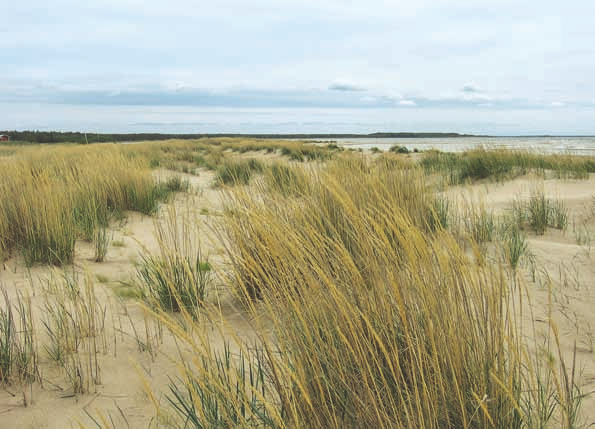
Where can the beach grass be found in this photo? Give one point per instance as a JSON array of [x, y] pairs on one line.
[[367, 310], [52, 196], [499, 165], [380, 318]]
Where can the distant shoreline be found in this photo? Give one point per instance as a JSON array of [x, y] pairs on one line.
[[81, 137]]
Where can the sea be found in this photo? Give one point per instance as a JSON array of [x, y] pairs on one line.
[[562, 125], [542, 144]]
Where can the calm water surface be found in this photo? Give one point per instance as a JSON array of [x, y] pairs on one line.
[[570, 145]]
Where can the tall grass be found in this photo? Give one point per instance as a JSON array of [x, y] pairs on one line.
[[50, 196], [179, 278], [237, 172], [74, 322], [376, 318], [18, 350], [212, 153], [514, 244], [481, 163], [540, 212]]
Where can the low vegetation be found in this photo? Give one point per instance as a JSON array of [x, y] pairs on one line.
[[367, 307], [540, 212], [18, 351], [179, 278], [498, 165]]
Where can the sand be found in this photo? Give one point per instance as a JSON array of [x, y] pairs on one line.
[[126, 370]]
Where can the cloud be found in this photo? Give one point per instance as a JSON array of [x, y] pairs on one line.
[[557, 104], [345, 87], [470, 88], [407, 103]]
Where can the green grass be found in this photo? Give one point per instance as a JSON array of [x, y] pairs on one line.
[[177, 184], [238, 172], [178, 279], [118, 243], [541, 212], [514, 244], [101, 241], [175, 284], [101, 278], [127, 291], [18, 351], [500, 165], [538, 212], [74, 323], [481, 225]]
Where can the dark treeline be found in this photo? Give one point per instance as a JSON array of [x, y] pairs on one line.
[[77, 137]]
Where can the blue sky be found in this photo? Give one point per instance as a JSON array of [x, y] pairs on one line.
[[465, 54]]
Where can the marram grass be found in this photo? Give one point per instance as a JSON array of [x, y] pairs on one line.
[[373, 317], [50, 196]]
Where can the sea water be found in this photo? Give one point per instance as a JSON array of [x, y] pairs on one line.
[[212, 120]]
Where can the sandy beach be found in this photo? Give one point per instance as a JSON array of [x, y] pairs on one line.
[[140, 357]]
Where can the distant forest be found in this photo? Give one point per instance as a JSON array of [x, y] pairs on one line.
[[76, 137]]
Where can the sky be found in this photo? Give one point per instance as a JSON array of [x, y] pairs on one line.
[[469, 55]]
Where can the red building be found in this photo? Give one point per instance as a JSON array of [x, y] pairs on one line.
[[3, 138]]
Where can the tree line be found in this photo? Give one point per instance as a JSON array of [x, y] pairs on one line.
[[84, 138]]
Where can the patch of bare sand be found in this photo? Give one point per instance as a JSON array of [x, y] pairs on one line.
[[564, 285]]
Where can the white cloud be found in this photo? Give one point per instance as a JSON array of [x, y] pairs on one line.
[[470, 87], [476, 51], [407, 103]]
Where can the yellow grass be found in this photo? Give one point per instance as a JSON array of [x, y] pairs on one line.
[[367, 312], [374, 316], [50, 196]]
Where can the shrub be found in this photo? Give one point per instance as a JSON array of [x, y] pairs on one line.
[[399, 149]]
